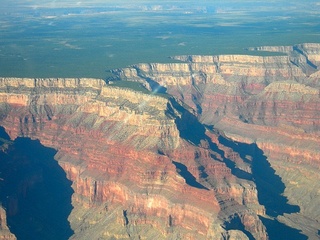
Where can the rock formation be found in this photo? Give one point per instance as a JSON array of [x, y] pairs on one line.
[[4, 230], [135, 169], [222, 147], [273, 101]]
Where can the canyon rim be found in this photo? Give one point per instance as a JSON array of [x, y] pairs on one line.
[[208, 147]]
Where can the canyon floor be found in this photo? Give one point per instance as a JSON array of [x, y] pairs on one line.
[[207, 147]]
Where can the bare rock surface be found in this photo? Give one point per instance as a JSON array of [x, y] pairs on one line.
[[222, 147], [5, 233], [272, 101], [137, 168]]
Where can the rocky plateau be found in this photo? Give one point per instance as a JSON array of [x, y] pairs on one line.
[[219, 147]]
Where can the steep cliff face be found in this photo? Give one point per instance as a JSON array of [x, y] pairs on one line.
[[272, 101], [4, 230], [267, 91], [141, 165], [34, 190], [219, 86], [230, 151]]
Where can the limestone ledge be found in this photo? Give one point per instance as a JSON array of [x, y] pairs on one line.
[[310, 50], [117, 113], [301, 60], [62, 91], [53, 92], [214, 69], [52, 83], [307, 47], [279, 49], [134, 97], [229, 59]]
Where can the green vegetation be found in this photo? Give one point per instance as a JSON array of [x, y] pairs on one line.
[[88, 40]]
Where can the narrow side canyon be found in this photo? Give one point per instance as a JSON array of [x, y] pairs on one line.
[[220, 147]]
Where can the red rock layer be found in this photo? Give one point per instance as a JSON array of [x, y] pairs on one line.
[[122, 150], [271, 100]]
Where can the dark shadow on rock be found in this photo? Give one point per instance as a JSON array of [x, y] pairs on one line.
[[196, 99], [190, 179], [279, 231], [270, 190], [239, 173], [154, 86], [34, 191], [193, 131], [269, 185], [242, 149], [236, 224], [3, 134], [202, 172], [188, 125]]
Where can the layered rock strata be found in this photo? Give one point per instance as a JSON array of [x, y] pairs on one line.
[[141, 165], [273, 101], [231, 149]]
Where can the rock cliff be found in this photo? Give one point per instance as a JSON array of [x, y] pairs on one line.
[[273, 101], [222, 147], [4, 230], [141, 165]]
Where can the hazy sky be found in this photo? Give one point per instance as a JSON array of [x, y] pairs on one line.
[[281, 5], [119, 2]]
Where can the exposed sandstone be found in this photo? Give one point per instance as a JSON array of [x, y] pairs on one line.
[[5, 233], [143, 166], [272, 101], [132, 166]]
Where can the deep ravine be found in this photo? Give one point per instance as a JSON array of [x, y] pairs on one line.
[[34, 190]]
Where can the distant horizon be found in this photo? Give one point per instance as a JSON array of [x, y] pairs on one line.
[[87, 39]]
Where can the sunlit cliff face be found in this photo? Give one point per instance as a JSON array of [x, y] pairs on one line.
[[212, 155], [142, 165], [188, 137]]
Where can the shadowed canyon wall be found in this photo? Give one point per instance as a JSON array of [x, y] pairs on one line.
[[232, 138], [272, 101], [34, 191]]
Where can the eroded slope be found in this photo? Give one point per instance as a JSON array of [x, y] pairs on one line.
[[272, 101], [142, 165]]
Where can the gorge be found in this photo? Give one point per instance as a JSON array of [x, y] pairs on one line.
[[209, 147]]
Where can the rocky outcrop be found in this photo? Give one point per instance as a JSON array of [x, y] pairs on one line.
[[4, 229], [221, 147], [272, 101], [5, 233], [141, 165], [284, 103]]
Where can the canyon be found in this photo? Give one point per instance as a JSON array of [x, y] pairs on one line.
[[208, 147]]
